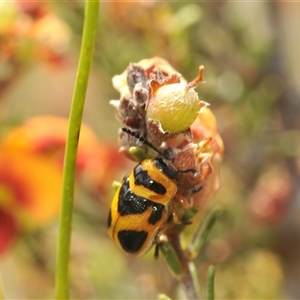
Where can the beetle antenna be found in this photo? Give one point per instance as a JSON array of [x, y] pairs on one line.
[[140, 138]]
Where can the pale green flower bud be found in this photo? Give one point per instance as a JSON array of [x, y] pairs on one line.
[[175, 107]]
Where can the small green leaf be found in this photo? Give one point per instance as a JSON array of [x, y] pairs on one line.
[[189, 214], [210, 286], [187, 217], [202, 233], [193, 271], [171, 259]]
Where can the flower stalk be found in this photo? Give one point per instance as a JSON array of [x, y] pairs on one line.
[[75, 119]]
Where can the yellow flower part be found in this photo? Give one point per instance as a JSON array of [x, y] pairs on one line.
[[30, 187]]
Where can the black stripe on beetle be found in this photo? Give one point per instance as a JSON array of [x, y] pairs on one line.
[[131, 240], [166, 168], [129, 203], [109, 219], [142, 178], [156, 213]]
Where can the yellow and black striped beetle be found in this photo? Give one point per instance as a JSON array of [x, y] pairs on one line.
[[141, 205]]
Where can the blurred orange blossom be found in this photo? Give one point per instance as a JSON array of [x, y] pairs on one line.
[[31, 162]]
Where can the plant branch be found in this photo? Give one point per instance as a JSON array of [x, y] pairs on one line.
[[186, 279]]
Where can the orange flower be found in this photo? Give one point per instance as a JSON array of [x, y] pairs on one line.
[[31, 161], [31, 184], [46, 136], [30, 189]]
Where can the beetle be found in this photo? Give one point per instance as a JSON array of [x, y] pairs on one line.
[[142, 204]]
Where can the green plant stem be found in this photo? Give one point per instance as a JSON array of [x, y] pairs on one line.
[[75, 118], [186, 278], [210, 283]]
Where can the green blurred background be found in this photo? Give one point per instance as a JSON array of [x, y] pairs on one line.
[[250, 51]]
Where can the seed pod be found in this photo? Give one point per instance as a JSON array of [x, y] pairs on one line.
[[174, 105]]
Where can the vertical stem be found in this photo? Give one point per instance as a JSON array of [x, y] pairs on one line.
[[75, 118], [186, 279], [189, 287]]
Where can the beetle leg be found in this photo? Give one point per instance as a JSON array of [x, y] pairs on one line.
[[182, 201], [156, 250], [175, 215]]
